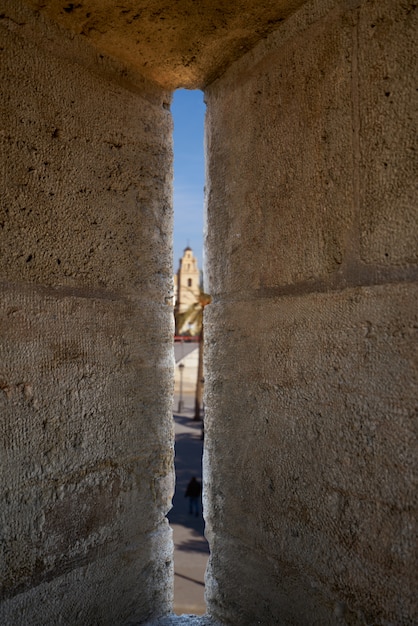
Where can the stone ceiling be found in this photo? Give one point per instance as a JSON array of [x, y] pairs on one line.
[[176, 43]]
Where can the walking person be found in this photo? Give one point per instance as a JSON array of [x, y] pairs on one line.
[[193, 491]]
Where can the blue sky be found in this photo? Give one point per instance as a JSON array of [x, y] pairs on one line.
[[188, 110]]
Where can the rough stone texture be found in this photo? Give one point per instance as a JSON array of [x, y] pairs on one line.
[[387, 143], [311, 421], [175, 44], [318, 122], [303, 123], [88, 200], [86, 336], [311, 374], [319, 416]]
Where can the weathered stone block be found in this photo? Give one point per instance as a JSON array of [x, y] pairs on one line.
[[86, 363], [86, 197], [387, 67], [86, 438], [312, 418], [281, 211]]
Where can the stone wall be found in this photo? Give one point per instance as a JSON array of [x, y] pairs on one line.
[[310, 381], [310, 375], [86, 333]]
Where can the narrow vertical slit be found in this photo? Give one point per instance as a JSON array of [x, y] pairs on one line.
[[191, 549]]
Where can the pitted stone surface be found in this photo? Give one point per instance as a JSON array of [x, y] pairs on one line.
[[311, 376], [387, 135], [86, 435], [88, 185], [175, 44], [311, 363]]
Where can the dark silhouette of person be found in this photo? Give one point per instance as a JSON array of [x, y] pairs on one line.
[[193, 491]]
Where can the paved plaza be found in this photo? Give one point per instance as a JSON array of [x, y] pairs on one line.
[[190, 546]]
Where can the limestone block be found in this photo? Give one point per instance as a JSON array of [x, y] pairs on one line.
[[280, 167], [174, 44], [86, 197], [86, 356], [93, 594], [310, 407], [87, 449], [311, 414], [387, 68]]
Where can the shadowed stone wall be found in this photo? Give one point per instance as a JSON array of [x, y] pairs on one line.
[[311, 259], [311, 379], [86, 334]]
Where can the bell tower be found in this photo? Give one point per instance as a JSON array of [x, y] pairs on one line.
[[187, 281]]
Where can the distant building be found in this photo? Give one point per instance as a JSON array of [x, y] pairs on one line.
[[186, 284]]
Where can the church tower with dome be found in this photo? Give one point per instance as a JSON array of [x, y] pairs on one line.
[[186, 282]]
